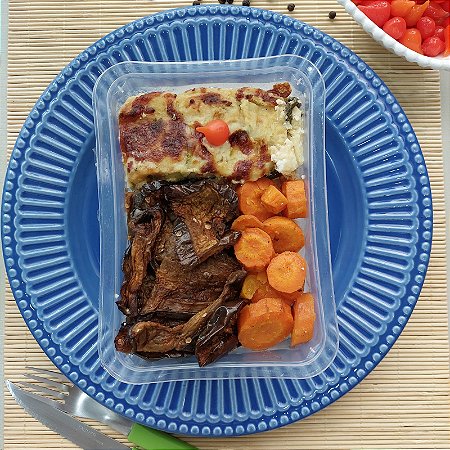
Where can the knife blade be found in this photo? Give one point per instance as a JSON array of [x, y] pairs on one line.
[[77, 403], [137, 434], [72, 429]]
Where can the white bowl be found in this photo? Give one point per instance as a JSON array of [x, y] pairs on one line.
[[437, 62]]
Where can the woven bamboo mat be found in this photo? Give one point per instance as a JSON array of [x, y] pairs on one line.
[[405, 402]]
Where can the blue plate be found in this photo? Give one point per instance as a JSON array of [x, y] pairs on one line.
[[379, 209]]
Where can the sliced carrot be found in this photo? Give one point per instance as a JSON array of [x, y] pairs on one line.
[[290, 298], [246, 221], [304, 319], [251, 284], [294, 295], [249, 195], [287, 272], [273, 200], [285, 233], [264, 182], [265, 290], [262, 277], [295, 193], [264, 324], [254, 249]]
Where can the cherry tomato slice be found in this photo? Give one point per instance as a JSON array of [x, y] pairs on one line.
[[400, 8], [377, 11], [443, 22], [439, 32], [413, 40], [416, 13], [395, 27], [426, 26], [216, 132], [447, 40], [435, 11], [433, 46]]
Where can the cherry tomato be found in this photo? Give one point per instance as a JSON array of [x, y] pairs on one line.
[[377, 11], [426, 26], [216, 132], [413, 40], [415, 14], [447, 40], [435, 11], [439, 32], [433, 46], [400, 8], [395, 27]]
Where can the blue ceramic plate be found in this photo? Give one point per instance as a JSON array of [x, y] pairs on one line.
[[379, 209]]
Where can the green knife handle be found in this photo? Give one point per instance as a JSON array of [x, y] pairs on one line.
[[150, 439]]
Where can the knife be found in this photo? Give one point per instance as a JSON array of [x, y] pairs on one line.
[[72, 429]]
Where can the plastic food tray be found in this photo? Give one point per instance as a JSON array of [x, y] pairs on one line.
[[111, 91]]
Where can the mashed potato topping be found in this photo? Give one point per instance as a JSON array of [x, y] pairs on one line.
[[158, 134]]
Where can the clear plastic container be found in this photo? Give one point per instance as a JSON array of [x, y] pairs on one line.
[[127, 79]]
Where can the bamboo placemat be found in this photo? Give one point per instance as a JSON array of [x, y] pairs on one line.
[[405, 402]]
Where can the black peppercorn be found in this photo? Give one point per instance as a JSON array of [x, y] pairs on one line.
[[222, 2], [196, 3], [230, 1], [332, 15], [246, 3], [291, 6]]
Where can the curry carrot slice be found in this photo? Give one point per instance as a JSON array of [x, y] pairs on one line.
[[295, 193], [249, 195], [273, 200], [252, 282], [304, 319], [285, 233], [287, 272], [254, 249], [264, 324], [246, 221]]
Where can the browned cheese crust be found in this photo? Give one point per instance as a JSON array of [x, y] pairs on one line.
[[158, 137]]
